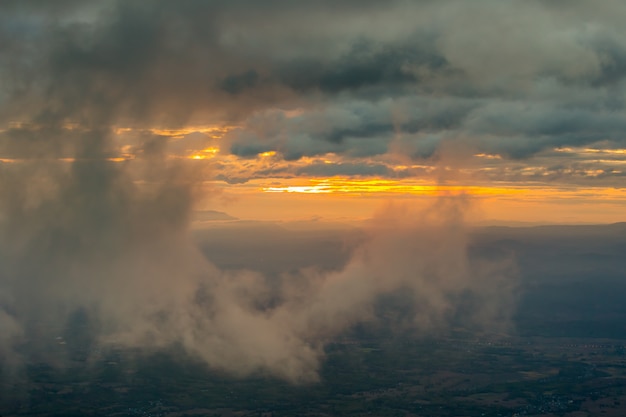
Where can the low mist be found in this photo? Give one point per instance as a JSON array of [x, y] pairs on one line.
[[98, 247]]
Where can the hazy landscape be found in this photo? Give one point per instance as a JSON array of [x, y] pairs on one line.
[[561, 354], [312, 208]]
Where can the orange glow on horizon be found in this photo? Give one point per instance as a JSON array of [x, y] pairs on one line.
[[213, 131], [339, 199], [205, 153], [591, 150], [112, 159], [488, 156], [381, 186]]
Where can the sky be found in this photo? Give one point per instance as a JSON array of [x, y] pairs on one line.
[[290, 110], [121, 122]]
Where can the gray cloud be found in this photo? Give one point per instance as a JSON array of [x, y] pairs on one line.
[[365, 65], [164, 63]]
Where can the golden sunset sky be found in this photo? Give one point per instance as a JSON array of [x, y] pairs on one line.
[[323, 110]]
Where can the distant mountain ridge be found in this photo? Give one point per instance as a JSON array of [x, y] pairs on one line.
[[211, 215]]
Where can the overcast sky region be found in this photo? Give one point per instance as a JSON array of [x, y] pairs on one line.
[[126, 124]]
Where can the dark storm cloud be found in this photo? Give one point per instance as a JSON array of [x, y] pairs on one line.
[[167, 63], [235, 84], [613, 64], [598, 167], [365, 64], [354, 128], [520, 130], [143, 60], [427, 61]]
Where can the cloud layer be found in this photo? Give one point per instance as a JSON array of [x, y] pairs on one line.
[[102, 104], [361, 80]]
